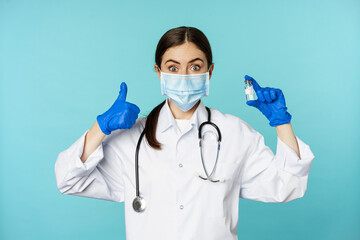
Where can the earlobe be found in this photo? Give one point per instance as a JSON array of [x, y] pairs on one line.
[[157, 71]]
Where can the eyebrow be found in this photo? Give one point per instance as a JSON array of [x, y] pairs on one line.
[[189, 62]]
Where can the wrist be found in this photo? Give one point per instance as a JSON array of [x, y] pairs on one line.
[[277, 121], [102, 123]]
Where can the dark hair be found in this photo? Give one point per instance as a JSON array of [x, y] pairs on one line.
[[172, 38]]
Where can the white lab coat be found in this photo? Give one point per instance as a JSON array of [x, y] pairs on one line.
[[181, 206]]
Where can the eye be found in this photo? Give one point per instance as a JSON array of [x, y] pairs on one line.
[[195, 67], [172, 67]]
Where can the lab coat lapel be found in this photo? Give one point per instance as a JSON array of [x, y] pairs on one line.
[[166, 119]]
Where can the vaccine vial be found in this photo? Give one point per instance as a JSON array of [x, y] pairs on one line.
[[249, 91]]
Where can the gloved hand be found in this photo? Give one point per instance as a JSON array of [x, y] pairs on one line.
[[271, 103], [120, 115]]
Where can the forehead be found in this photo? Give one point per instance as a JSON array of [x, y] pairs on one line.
[[183, 53]]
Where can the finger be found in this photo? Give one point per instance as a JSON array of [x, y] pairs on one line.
[[123, 92], [266, 93], [131, 113], [273, 94], [256, 85], [260, 95], [254, 82], [135, 108], [128, 121], [133, 120], [279, 93], [247, 77], [133, 117], [253, 103]]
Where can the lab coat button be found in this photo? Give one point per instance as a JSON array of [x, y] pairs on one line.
[[180, 165], [181, 206]]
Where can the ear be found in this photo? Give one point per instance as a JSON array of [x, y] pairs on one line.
[[157, 71], [211, 70]]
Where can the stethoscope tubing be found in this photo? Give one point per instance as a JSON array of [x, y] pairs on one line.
[[137, 163], [139, 202]]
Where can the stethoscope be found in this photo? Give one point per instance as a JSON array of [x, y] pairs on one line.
[[139, 203]]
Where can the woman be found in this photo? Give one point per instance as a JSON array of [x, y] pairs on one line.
[[177, 203]]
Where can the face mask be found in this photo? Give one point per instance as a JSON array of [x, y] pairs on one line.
[[185, 90]]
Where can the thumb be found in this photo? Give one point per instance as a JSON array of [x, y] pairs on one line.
[[253, 103], [123, 92]]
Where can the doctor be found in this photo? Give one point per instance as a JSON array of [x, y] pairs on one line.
[[178, 203]]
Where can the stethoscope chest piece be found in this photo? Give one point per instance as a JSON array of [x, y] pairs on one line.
[[139, 204]]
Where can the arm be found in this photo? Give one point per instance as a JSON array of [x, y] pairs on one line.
[[274, 178], [286, 134], [91, 167], [93, 139], [267, 177], [271, 102], [100, 176]]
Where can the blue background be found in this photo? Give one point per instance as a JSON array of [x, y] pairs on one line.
[[62, 62]]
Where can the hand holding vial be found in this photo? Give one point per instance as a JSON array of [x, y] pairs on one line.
[[270, 101]]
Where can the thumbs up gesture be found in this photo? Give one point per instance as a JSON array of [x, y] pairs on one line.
[[271, 103], [120, 115]]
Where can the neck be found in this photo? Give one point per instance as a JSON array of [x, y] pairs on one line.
[[178, 113]]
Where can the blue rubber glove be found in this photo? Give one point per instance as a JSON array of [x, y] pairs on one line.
[[120, 115], [271, 103]]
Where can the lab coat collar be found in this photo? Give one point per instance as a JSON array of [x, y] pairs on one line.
[[166, 118]]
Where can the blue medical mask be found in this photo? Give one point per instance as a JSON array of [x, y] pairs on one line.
[[185, 90]]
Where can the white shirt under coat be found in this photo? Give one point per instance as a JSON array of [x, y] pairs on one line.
[[181, 206]]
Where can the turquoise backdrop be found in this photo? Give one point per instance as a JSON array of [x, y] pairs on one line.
[[62, 62]]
